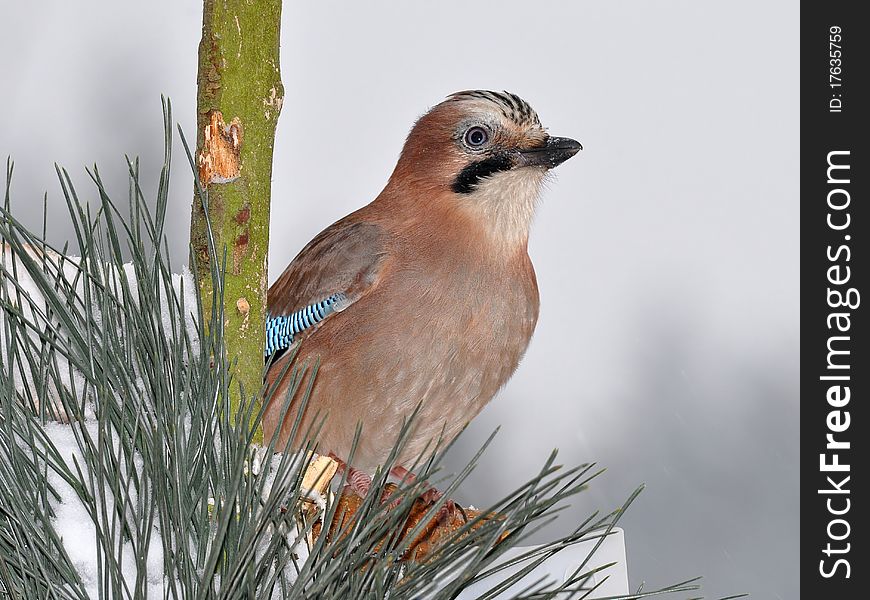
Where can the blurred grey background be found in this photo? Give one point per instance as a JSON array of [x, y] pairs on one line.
[[667, 252]]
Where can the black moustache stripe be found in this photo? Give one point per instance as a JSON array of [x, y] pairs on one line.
[[471, 175]]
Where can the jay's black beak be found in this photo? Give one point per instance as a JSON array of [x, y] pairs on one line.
[[554, 152]]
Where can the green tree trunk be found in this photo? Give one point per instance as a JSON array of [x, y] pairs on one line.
[[238, 102]]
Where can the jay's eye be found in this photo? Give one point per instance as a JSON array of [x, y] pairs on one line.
[[476, 137]]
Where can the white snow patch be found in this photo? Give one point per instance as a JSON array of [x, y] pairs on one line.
[[24, 294], [77, 527]]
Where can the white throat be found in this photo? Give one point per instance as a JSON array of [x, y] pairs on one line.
[[505, 203]]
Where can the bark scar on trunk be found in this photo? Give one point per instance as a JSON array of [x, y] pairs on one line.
[[240, 250], [219, 160]]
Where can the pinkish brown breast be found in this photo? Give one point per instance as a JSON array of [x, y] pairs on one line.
[[446, 326]]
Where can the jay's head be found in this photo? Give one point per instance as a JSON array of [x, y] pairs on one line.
[[485, 154]]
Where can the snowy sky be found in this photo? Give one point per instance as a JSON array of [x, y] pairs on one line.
[[667, 253]]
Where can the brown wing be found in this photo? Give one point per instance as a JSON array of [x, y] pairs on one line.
[[345, 258]]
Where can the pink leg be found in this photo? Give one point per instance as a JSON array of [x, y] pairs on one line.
[[401, 472], [429, 496], [358, 481], [447, 510]]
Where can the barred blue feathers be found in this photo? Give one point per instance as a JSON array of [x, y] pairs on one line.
[[280, 330]]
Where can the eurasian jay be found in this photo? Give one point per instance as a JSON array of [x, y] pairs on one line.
[[427, 294]]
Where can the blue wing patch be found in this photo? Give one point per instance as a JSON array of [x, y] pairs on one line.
[[281, 330]]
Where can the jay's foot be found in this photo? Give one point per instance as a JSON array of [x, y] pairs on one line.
[[431, 496], [358, 481]]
